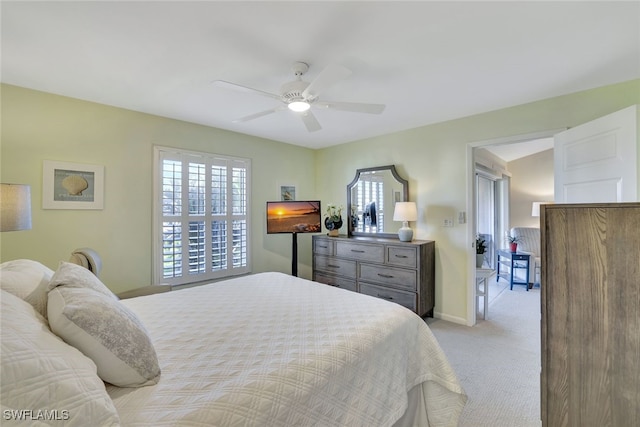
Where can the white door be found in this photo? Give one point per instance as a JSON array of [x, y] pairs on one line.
[[596, 162]]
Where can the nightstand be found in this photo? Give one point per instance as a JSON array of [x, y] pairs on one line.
[[513, 261]]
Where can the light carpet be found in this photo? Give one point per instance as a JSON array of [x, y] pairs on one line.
[[498, 360]]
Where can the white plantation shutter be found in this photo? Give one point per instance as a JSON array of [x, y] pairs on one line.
[[370, 203], [201, 213]]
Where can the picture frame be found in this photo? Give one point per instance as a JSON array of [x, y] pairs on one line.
[[67, 185], [286, 192]]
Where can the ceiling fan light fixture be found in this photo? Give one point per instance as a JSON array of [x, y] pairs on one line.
[[299, 106], [298, 95]]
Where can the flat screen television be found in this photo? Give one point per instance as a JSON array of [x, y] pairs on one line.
[[294, 217]]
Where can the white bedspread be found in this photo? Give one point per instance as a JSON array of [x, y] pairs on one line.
[[275, 350]]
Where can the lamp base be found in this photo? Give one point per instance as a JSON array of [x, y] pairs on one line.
[[405, 234]]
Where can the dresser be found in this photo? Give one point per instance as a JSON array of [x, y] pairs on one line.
[[402, 272], [590, 295]]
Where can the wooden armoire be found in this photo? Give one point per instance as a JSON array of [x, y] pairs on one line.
[[590, 297]]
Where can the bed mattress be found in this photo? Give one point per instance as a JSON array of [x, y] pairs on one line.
[[275, 350]]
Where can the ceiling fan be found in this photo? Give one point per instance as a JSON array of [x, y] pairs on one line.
[[299, 96]]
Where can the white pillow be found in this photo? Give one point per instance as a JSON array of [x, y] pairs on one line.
[[84, 313], [27, 279], [41, 373]]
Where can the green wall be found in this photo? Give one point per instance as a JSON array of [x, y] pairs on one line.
[[37, 126], [434, 160]]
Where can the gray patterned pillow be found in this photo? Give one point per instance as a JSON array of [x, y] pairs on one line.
[[96, 323], [74, 276]]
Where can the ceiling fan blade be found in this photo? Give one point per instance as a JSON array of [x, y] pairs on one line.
[[327, 77], [260, 114], [245, 89], [310, 121], [355, 107]]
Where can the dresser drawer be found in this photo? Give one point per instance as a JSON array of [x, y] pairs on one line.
[[406, 299], [342, 267], [402, 256], [396, 277], [338, 282], [372, 253], [402, 272], [322, 247]]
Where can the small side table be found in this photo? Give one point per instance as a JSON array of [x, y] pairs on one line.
[[482, 289], [514, 261]]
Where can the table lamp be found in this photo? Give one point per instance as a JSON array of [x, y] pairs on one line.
[[535, 208], [15, 207], [405, 212]]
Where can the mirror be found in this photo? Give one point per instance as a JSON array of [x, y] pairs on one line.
[[371, 197]]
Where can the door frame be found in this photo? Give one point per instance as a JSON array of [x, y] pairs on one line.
[[471, 223]]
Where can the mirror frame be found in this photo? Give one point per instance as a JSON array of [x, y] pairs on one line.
[[405, 198]]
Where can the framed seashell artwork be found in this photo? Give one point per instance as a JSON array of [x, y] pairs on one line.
[[72, 185]]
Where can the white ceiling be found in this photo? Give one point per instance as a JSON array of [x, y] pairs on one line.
[[427, 61], [513, 151]]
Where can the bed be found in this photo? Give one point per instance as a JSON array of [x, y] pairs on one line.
[[266, 349]]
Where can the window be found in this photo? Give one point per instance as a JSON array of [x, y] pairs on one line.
[[492, 201], [201, 211], [486, 216]]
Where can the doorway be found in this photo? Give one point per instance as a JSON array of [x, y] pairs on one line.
[[489, 198]]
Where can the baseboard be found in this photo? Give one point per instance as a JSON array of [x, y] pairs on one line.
[[449, 318]]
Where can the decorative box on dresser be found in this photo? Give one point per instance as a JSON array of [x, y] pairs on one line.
[[402, 272], [590, 330]]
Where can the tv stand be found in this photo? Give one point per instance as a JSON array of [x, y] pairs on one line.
[[294, 254]]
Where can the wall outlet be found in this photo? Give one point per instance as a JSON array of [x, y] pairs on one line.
[[448, 222]]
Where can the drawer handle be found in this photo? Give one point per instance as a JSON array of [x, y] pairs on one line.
[[323, 247], [401, 256], [333, 266], [357, 251], [387, 297], [386, 276]]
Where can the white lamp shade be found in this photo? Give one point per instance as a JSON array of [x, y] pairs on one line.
[[15, 207], [535, 207], [405, 211]]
